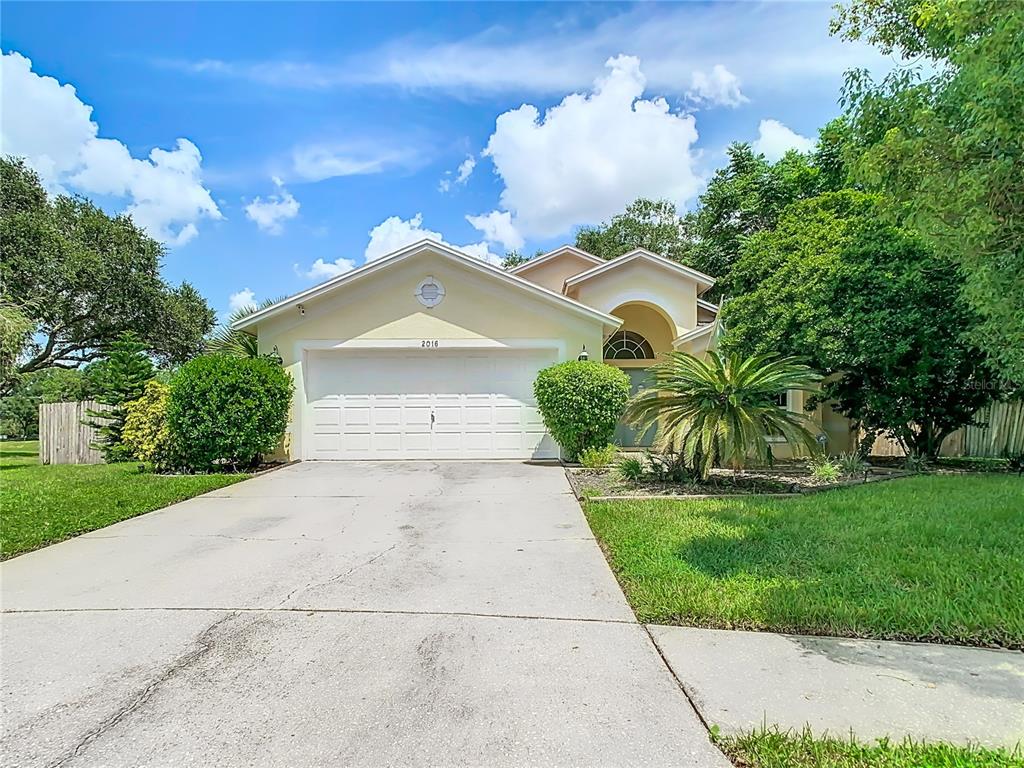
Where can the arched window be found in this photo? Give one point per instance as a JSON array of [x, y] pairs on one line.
[[627, 345]]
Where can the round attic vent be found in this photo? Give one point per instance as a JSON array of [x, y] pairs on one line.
[[430, 292]]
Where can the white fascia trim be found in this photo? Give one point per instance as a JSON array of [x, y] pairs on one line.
[[704, 281], [555, 253], [691, 335], [707, 305], [444, 250]]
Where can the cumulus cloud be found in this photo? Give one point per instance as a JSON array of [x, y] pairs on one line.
[[394, 233], [241, 299], [47, 124], [497, 227], [588, 157], [774, 139], [322, 270], [719, 87], [270, 214], [462, 174]]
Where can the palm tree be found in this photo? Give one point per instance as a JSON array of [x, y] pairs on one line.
[[227, 341], [724, 408]]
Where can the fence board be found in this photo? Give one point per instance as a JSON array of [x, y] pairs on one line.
[[63, 438], [1002, 433]]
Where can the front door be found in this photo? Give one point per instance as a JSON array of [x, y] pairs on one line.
[[625, 435]]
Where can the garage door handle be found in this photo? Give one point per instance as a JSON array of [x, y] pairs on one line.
[[431, 419]]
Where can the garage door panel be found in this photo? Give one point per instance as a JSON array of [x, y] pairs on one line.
[[506, 414], [379, 405]]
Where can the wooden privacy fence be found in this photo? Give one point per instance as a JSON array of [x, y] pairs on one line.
[[1002, 433], [63, 438]]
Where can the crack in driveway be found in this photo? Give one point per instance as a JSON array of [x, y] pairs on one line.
[[336, 579], [203, 645]]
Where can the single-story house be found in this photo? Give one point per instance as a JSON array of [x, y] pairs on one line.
[[431, 353]]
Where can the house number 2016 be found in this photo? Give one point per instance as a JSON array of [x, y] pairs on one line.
[[429, 344]]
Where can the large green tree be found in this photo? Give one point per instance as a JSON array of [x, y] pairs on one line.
[[871, 306], [83, 278], [748, 195], [650, 224], [945, 140]]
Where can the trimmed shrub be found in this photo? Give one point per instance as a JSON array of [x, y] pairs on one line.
[[146, 433], [581, 402], [228, 410], [598, 458]]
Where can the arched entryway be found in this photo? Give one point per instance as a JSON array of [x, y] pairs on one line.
[[645, 335]]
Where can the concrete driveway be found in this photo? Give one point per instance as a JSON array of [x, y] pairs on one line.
[[339, 614]]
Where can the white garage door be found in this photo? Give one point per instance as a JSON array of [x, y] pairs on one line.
[[410, 404]]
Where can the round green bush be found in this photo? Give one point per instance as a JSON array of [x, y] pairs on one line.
[[581, 402], [228, 410]]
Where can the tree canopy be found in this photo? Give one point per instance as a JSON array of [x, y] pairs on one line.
[[870, 305], [945, 141], [82, 278], [653, 225], [749, 194]]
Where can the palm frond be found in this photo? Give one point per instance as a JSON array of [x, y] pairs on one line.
[[227, 341], [723, 407]]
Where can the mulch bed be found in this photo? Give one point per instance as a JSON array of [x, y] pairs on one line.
[[785, 480]]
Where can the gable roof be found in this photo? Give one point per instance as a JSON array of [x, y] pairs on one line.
[[703, 281], [411, 250], [692, 334], [550, 255]]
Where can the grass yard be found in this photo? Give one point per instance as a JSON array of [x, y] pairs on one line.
[[41, 505], [774, 749], [931, 558]]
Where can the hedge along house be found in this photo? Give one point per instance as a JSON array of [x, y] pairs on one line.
[[431, 353]]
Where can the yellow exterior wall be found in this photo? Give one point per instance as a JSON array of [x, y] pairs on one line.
[[382, 310], [640, 281], [553, 273]]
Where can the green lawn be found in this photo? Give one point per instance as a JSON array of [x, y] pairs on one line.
[[40, 505], [937, 558], [770, 748]]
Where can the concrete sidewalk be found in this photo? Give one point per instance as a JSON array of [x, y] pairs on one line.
[[742, 680]]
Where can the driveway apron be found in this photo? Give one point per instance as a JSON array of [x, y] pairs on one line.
[[351, 614]]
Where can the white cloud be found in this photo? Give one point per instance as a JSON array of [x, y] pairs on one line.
[[719, 87], [270, 214], [316, 162], [322, 270], [240, 299], [774, 139], [395, 233], [592, 154], [462, 174], [497, 227], [47, 124], [768, 44], [465, 169]]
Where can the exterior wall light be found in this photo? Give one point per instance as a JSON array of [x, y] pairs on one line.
[[583, 354]]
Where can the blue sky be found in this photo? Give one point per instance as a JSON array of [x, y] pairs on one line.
[[293, 141]]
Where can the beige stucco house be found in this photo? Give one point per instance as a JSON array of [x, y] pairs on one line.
[[431, 353]]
